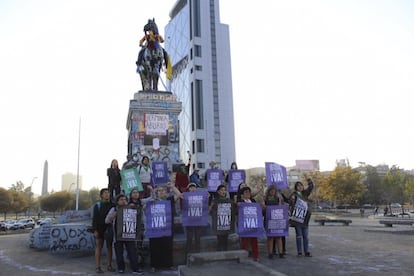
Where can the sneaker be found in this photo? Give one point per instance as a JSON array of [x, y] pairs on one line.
[[121, 271], [99, 270], [300, 254], [308, 254]]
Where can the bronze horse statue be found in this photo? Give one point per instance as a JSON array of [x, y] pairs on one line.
[[152, 57]]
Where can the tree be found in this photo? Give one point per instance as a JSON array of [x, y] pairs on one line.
[[318, 179], [5, 202], [19, 202], [18, 187], [409, 189], [59, 201], [344, 185], [393, 184], [375, 191]]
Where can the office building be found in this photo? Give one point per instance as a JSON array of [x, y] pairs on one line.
[[199, 48]]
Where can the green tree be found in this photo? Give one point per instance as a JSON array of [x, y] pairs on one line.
[[18, 187], [94, 195], [318, 179], [409, 189], [5, 202], [393, 184], [375, 191], [344, 185], [19, 202], [59, 201]]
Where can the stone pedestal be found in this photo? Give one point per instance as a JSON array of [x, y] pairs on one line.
[[153, 128]]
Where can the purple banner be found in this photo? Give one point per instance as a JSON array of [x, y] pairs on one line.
[[159, 172], [235, 178], [158, 219], [277, 221], [195, 209], [250, 220], [214, 179], [276, 175]]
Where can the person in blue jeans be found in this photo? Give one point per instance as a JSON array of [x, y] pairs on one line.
[[300, 213]]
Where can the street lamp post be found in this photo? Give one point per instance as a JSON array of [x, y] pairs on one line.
[[30, 195]]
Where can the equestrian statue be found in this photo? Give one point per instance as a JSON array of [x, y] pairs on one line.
[[152, 57]]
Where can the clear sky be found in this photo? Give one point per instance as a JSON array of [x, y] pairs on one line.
[[323, 80]]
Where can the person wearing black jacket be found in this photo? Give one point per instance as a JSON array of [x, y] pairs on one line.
[[114, 179], [300, 214], [99, 226]]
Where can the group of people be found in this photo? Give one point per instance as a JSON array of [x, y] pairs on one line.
[[161, 248]]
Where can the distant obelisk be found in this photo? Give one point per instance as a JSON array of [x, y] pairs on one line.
[[45, 173]]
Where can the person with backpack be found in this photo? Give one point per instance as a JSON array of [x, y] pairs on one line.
[[99, 227]]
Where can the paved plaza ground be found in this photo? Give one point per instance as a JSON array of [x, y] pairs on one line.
[[363, 248]]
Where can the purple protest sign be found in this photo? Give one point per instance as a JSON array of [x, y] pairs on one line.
[[250, 220], [235, 178], [195, 209], [158, 219], [214, 179], [277, 220], [160, 172], [276, 175]]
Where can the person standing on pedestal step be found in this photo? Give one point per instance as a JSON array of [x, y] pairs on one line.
[[245, 241], [161, 249], [195, 177], [145, 174], [130, 246], [272, 197], [99, 226], [300, 215], [222, 206], [114, 179], [193, 232], [135, 202], [233, 166]]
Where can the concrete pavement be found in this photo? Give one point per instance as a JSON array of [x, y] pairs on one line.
[[363, 248]]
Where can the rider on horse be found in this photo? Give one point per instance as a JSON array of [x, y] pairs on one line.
[[151, 58], [152, 39]]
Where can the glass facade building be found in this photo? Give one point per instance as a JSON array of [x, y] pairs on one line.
[[199, 48]]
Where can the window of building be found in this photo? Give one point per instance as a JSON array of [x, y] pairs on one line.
[[200, 145], [199, 104], [197, 50], [197, 18], [199, 68]]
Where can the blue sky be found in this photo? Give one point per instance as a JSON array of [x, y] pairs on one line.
[[320, 80]]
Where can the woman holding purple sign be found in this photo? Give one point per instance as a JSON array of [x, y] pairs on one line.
[[272, 197], [161, 248], [300, 214], [245, 241], [193, 232]]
